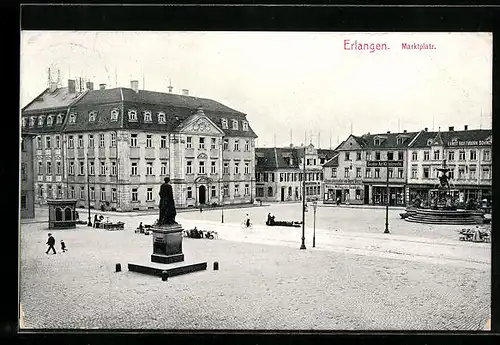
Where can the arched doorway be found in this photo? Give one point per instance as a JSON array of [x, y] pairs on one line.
[[202, 195]]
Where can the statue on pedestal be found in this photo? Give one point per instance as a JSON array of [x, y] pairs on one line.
[[167, 204]]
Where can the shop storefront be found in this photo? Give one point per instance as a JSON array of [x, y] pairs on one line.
[[396, 195], [347, 193]]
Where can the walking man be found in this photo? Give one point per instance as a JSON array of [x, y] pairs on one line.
[[51, 242]]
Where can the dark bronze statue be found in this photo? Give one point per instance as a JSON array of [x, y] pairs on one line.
[[167, 204], [443, 179]]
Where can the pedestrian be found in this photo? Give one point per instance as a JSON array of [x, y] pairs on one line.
[[51, 242], [63, 246], [246, 221], [201, 209]]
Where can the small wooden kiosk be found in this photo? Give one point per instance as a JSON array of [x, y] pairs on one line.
[[62, 213]]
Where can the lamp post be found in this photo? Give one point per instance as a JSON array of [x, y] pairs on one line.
[[303, 245], [315, 205], [88, 191], [386, 231]]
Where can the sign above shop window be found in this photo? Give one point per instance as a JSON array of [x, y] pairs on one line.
[[383, 164]]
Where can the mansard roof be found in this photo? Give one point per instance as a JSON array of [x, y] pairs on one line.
[[273, 158], [426, 139], [387, 140]]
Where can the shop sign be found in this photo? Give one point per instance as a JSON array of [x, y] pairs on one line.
[[456, 142], [384, 164]]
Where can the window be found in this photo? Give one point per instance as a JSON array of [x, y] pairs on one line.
[[377, 173], [102, 168], [486, 173], [23, 202], [390, 155], [334, 172], [80, 141], [50, 119], [472, 173], [236, 145], [414, 155], [59, 119], [23, 122], [368, 156], [213, 167], [92, 193], [368, 172], [247, 189], [473, 155], [347, 156], [376, 142], [269, 191], [91, 168], [72, 118], [82, 192], [201, 167], [247, 168], [92, 116], [39, 143], [147, 116], [163, 169], [282, 178], [59, 192], [23, 171], [400, 155], [47, 142], [358, 194], [399, 140], [226, 190], [189, 193], [451, 173], [451, 155], [40, 120], [132, 115], [134, 168], [113, 168], [40, 168], [213, 145], [213, 192], [72, 192], [461, 173], [189, 167], [161, 117], [426, 172], [32, 121], [91, 140], [149, 140], [58, 168], [49, 191], [400, 173], [225, 145], [101, 140], [426, 155], [247, 145], [346, 172], [58, 142], [188, 142], [133, 140], [134, 194], [391, 172], [114, 114], [244, 125], [149, 194], [225, 168], [413, 172], [71, 168], [48, 169], [436, 154], [377, 155], [236, 189], [235, 125], [113, 194], [71, 142], [236, 167], [103, 193], [486, 155], [113, 139], [202, 143], [461, 155], [163, 142], [81, 168], [358, 156], [224, 123]]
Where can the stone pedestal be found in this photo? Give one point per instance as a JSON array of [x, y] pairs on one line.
[[167, 244]]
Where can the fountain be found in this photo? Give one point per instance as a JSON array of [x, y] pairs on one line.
[[442, 207]]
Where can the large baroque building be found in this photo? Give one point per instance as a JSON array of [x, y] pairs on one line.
[[115, 146]]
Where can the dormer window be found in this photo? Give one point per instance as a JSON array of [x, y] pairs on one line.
[[32, 121], [376, 142], [72, 117], [40, 120], [224, 123], [161, 117], [23, 122], [235, 125], [92, 116], [59, 119], [399, 140], [114, 114], [132, 115], [244, 125], [50, 120], [429, 142], [147, 116]]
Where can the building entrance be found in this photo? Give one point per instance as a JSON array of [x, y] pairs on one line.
[[202, 195]]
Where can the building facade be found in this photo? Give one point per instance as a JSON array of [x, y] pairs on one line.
[[27, 183], [115, 147], [467, 153]]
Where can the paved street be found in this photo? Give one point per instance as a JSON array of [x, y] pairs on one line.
[[418, 277]]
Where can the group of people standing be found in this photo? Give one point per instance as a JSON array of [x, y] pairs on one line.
[[51, 243]]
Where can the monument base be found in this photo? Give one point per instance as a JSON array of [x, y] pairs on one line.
[[173, 270], [167, 259]]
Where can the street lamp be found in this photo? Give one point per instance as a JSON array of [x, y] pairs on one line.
[[315, 205], [88, 191], [303, 245], [386, 231]]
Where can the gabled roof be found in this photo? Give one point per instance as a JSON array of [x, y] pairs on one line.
[[272, 158], [332, 162], [447, 137], [49, 101]]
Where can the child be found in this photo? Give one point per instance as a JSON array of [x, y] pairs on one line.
[[63, 246]]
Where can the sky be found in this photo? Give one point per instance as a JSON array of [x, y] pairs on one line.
[[295, 87]]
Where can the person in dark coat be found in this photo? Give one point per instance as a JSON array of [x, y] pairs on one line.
[[167, 204], [51, 242], [63, 246]]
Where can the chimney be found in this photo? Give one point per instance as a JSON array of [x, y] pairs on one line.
[[425, 129], [404, 130], [466, 127], [170, 88], [102, 86], [90, 85], [185, 92], [388, 132], [71, 86], [134, 85], [450, 129], [53, 86]]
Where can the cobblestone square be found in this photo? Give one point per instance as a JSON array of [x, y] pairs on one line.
[[419, 277]]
